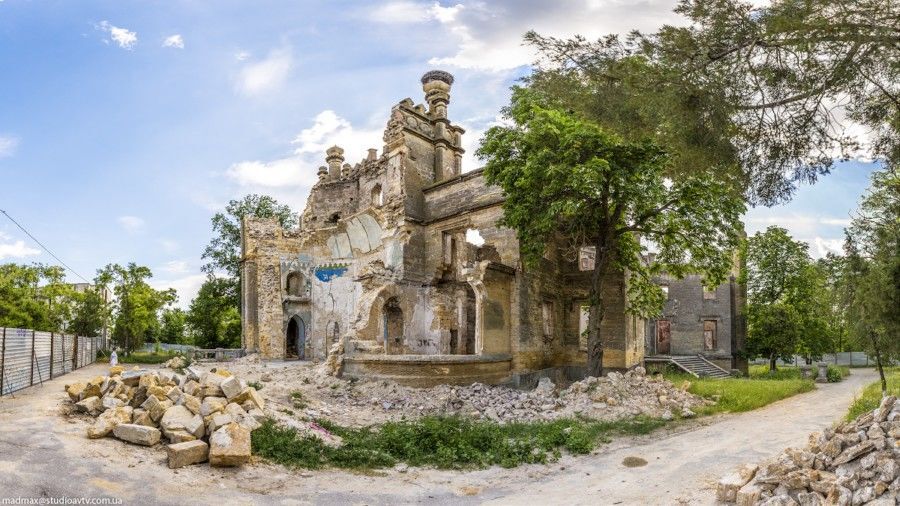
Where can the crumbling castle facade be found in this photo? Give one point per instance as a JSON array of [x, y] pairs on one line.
[[399, 265]]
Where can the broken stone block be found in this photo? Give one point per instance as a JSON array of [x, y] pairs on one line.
[[884, 409], [190, 402], [748, 495], [231, 387], [235, 411], [249, 422], [108, 402], [107, 421], [187, 453], [116, 370], [92, 388], [174, 394], [92, 405], [193, 373], [133, 378], [229, 446], [154, 407], [219, 420], [212, 405], [810, 499], [195, 427], [221, 371], [191, 387], [249, 394], [148, 380], [853, 452], [142, 417], [257, 414], [727, 488], [160, 392], [137, 434], [75, 389]]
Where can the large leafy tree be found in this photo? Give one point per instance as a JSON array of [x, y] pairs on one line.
[[173, 326], [35, 297], [137, 304], [223, 254], [760, 91], [213, 318], [567, 178], [89, 313], [873, 271], [785, 287]]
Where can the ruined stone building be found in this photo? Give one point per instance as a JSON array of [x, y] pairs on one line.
[[696, 321], [400, 258]]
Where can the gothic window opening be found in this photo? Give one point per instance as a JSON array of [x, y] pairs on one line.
[[377, 196]]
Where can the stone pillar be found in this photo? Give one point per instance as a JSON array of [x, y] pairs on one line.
[[334, 157], [323, 172], [436, 85], [823, 373]]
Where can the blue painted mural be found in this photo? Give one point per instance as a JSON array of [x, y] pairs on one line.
[[326, 273]]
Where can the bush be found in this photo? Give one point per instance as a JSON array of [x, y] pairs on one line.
[[442, 442]]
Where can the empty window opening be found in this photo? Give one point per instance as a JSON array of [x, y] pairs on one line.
[[377, 196], [665, 291], [334, 218], [586, 257], [296, 285], [393, 326], [709, 335], [584, 317], [473, 237], [470, 322], [709, 294], [547, 315], [454, 341]]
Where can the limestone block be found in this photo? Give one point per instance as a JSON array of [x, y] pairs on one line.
[[116, 370], [229, 446], [748, 495], [195, 427], [137, 434], [92, 405], [190, 402], [231, 387], [142, 417], [212, 405], [219, 420], [107, 421], [249, 394], [727, 488], [174, 394], [187, 453], [191, 387], [148, 380], [74, 390], [133, 378], [160, 392], [109, 402]]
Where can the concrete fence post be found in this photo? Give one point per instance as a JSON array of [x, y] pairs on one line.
[[33, 356], [51, 354]]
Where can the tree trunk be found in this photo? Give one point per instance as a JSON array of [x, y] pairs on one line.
[[595, 319], [879, 365], [772, 359]]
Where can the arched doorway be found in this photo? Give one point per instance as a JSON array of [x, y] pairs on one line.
[[295, 340], [393, 326]]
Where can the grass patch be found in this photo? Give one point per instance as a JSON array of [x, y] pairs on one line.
[[736, 395], [870, 398], [835, 373], [442, 442], [298, 400]]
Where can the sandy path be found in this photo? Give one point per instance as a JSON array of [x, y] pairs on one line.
[[45, 454]]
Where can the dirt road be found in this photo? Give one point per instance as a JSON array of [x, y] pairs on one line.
[[43, 454]]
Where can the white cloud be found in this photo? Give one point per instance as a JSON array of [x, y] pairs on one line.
[[17, 249], [186, 287], [824, 246], [8, 145], [284, 172], [126, 39], [174, 41], [131, 224], [241, 55], [488, 36], [175, 267], [839, 222], [265, 75]]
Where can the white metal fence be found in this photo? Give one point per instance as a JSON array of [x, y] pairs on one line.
[[29, 357], [851, 358]]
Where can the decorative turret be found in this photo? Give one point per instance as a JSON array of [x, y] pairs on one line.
[[436, 85], [323, 172], [334, 157]]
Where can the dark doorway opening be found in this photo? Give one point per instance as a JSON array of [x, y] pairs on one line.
[[295, 341], [663, 337], [469, 334], [393, 326]]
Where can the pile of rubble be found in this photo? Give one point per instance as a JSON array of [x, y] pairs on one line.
[[203, 415], [177, 362], [854, 463], [363, 403]]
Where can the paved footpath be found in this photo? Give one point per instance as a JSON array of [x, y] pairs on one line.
[[46, 454]]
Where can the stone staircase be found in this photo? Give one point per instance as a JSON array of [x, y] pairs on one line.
[[695, 365]]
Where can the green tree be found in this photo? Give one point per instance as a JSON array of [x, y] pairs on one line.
[[223, 254], [873, 271], [173, 326], [213, 317], [88, 317], [137, 304], [34, 297], [785, 286], [833, 268], [566, 177], [759, 91]]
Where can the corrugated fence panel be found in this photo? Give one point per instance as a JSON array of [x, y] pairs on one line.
[[41, 358], [68, 352], [16, 373], [58, 357]]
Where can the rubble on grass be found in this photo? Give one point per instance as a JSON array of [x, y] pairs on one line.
[[856, 462]]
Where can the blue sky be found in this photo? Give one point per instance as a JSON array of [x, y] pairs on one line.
[[125, 125]]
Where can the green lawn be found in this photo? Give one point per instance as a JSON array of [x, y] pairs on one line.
[[735, 395], [871, 395], [835, 372], [442, 442]]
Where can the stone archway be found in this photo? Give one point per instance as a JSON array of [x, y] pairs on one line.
[[295, 339]]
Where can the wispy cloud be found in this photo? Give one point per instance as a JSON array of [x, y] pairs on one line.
[[8, 145], [175, 267], [174, 41], [125, 38], [131, 224], [186, 287], [17, 249], [265, 75]]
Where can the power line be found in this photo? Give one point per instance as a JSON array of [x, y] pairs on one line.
[[33, 238]]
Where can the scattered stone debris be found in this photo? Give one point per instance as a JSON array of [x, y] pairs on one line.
[[856, 462], [177, 362], [144, 407]]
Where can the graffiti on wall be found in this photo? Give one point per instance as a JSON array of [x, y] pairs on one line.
[[325, 273]]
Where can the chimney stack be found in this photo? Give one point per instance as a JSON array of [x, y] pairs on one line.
[[436, 85], [334, 157]]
